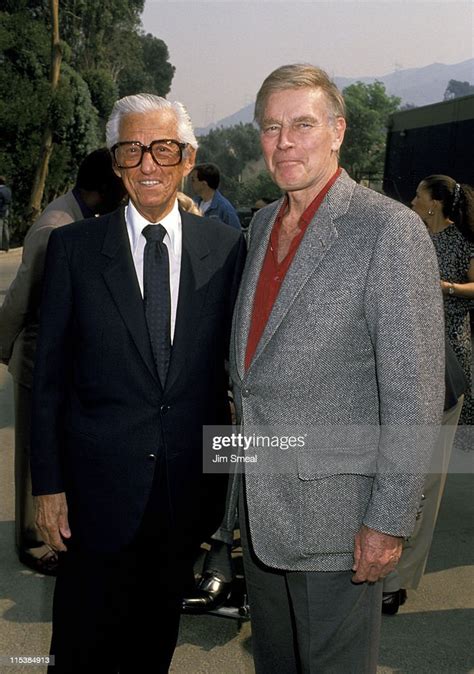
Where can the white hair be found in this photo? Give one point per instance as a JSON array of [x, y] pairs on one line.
[[143, 103]]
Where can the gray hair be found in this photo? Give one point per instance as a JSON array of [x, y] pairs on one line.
[[143, 103], [295, 76]]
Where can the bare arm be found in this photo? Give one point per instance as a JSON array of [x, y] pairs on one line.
[[465, 290], [52, 519]]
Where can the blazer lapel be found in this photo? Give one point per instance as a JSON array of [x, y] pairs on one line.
[[318, 238], [244, 303], [194, 275], [121, 279]]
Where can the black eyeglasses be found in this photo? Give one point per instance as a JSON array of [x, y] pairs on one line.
[[165, 152]]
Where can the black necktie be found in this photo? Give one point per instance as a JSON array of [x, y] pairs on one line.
[[156, 293]]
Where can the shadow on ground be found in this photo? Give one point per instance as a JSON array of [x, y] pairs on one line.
[[30, 593], [432, 642]]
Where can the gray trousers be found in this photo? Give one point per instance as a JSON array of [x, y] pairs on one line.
[[310, 622], [27, 534], [411, 566]]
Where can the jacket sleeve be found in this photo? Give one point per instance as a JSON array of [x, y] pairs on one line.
[[23, 296], [404, 312], [53, 364]]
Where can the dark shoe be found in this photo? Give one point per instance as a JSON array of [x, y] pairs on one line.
[[211, 593], [41, 559], [391, 601]]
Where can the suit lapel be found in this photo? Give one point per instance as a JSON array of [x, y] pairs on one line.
[[318, 239], [121, 279], [194, 275], [259, 237]]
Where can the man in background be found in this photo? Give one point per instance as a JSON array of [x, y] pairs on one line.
[[205, 180], [97, 190]]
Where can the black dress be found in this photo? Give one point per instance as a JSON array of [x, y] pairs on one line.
[[454, 256]]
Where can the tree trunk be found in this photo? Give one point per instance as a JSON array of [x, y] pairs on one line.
[[47, 140]]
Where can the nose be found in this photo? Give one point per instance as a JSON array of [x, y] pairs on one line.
[[148, 164], [285, 138]]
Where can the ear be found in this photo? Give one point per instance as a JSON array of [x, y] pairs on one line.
[[189, 160], [339, 131]]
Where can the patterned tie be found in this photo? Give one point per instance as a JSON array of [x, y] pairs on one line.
[[157, 299]]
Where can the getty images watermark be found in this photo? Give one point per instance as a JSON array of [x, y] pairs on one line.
[[330, 450]]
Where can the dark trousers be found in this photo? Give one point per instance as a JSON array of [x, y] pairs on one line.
[[120, 612], [310, 622], [4, 235]]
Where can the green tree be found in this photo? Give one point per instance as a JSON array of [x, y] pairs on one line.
[[368, 110], [455, 89], [96, 31], [46, 146], [109, 48], [103, 51], [27, 106], [257, 187], [147, 68], [231, 149], [155, 59]]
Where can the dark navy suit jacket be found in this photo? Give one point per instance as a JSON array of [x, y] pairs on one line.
[[99, 408]]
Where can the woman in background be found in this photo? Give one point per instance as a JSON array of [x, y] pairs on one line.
[[447, 209]]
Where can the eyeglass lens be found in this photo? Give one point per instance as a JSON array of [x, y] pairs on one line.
[[165, 153]]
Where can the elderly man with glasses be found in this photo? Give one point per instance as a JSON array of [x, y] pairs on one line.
[[134, 333]]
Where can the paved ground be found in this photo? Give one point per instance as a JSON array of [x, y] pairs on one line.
[[432, 634]]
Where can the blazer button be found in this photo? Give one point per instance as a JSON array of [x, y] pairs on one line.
[[152, 457], [164, 409], [245, 392]]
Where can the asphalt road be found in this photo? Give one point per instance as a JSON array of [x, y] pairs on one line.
[[431, 634]]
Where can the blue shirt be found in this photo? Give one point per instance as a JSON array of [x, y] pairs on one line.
[[222, 209]]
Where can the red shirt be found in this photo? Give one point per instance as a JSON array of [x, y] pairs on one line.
[[273, 273]]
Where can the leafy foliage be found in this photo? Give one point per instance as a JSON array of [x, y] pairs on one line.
[[260, 186], [105, 55], [24, 98], [103, 90], [455, 89], [148, 68], [368, 110], [231, 149], [363, 151]]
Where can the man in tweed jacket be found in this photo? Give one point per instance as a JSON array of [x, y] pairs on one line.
[[338, 325]]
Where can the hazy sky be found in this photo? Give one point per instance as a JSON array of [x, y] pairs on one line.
[[222, 50]]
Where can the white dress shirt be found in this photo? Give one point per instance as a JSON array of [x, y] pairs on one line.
[[173, 241]]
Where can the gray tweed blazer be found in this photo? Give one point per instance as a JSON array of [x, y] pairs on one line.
[[355, 340]]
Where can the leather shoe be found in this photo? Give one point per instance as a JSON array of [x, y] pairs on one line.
[[211, 593], [391, 601], [41, 559]]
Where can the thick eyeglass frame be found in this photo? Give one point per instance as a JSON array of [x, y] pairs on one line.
[[148, 148]]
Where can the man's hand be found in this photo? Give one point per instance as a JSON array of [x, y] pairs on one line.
[[375, 555], [51, 519]]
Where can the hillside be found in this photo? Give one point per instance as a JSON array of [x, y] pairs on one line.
[[418, 86]]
